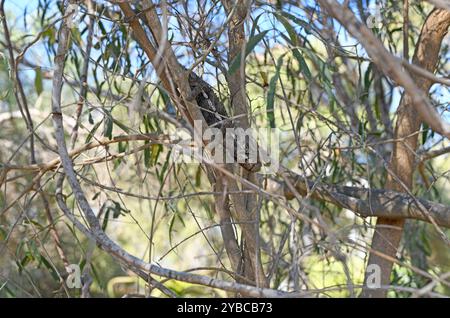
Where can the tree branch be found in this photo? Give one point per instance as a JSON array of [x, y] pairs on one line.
[[371, 202], [388, 64]]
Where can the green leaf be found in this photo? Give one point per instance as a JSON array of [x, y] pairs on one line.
[[8, 291], [76, 35], [90, 118], [50, 34], [3, 234], [367, 82], [161, 174], [198, 176], [122, 145], [424, 133], [252, 42], [303, 66], [255, 24], [271, 93], [121, 125], [27, 259], [147, 155], [362, 130], [108, 125], [300, 22], [105, 220], [171, 224], [155, 150], [165, 97], [289, 29], [50, 268], [38, 81], [294, 41], [92, 132], [117, 210], [367, 78], [151, 154]]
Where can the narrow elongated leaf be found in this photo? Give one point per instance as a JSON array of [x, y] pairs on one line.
[[271, 93], [290, 30], [424, 133], [255, 24], [198, 176], [38, 81], [50, 268], [156, 150], [252, 42], [108, 125], [303, 66], [294, 41], [105, 220], [367, 82], [162, 174], [298, 21], [92, 132], [147, 155]]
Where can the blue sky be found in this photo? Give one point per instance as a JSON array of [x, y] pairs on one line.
[[17, 8]]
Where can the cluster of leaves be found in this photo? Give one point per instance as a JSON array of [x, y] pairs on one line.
[[298, 81]]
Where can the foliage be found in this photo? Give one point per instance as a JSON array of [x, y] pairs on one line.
[[305, 76]]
